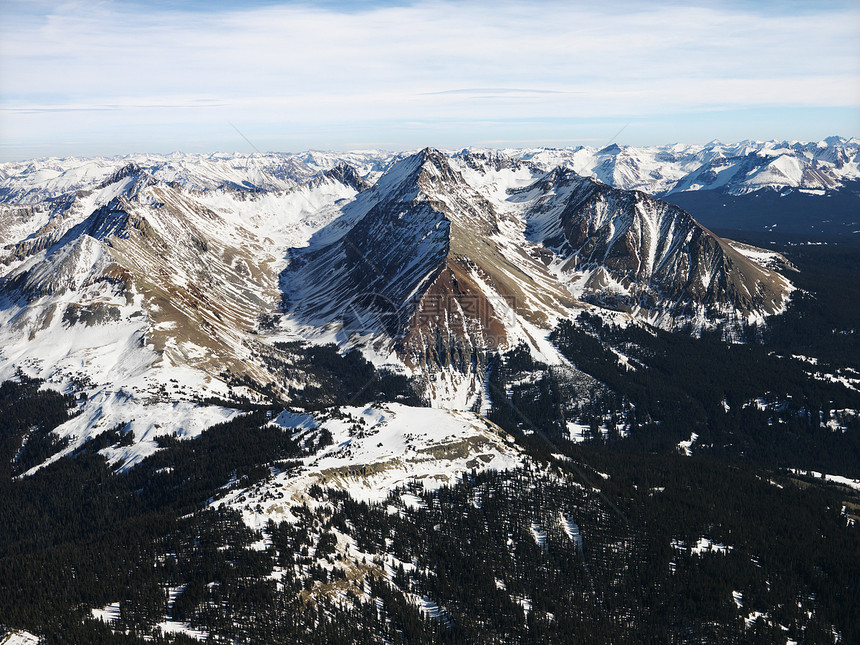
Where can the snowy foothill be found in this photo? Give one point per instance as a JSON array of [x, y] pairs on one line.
[[377, 449], [146, 421]]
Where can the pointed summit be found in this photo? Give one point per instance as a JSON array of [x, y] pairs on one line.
[[347, 175], [400, 180], [428, 265], [131, 171]]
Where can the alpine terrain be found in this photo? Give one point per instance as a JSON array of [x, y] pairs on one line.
[[520, 395]]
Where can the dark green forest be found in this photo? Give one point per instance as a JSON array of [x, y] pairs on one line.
[[76, 536]]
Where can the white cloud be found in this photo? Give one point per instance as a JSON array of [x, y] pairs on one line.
[[300, 66]]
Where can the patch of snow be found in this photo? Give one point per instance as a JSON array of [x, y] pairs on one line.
[[295, 421], [539, 535], [412, 501], [753, 616], [703, 545], [107, 614], [764, 257], [20, 638], [706, 545], [525, 602], [836, 479], [176, 627], [572, 530], [431, 610], [686, 447]]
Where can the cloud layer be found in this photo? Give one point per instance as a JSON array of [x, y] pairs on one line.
[[90, 76]]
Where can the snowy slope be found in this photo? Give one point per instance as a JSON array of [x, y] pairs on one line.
[[628, 251], [147, 297], [376, 450], [153, 275]]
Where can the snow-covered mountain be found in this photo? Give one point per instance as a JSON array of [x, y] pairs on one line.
[[429, 257], [488, 310], [34, 181], [734, 169], [151, 281], [627, 250]]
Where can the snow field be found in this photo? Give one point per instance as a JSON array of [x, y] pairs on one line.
[[395, 445]]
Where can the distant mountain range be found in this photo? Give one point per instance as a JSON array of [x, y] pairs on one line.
[[730, 169], [752, 185]]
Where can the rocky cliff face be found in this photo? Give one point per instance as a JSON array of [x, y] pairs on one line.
[[428, 263], [629, 251]]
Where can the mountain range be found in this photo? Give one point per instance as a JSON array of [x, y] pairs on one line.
[[735, 169], [150, 276], [461, 388]]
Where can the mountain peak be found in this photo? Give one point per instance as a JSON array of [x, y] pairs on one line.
[[440, 260], [131, 169], [347, 175], [424, 172], [430, 153], [652, 258]]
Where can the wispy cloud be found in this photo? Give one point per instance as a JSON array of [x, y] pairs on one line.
[[169, 71], [481, 91]]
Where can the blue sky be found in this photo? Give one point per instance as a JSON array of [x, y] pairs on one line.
[[113, 77]]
